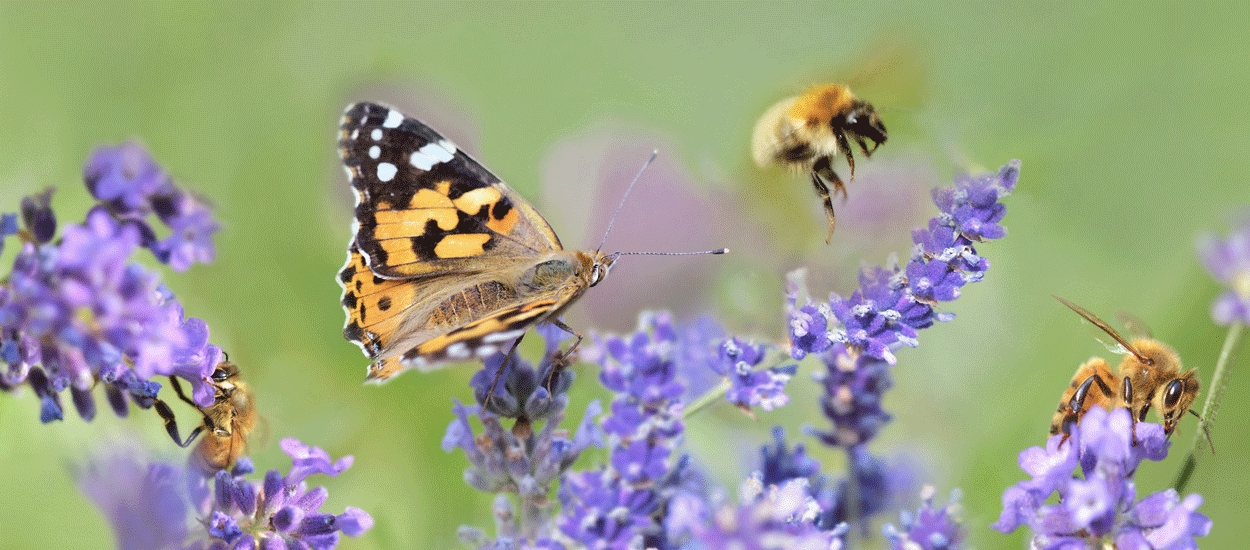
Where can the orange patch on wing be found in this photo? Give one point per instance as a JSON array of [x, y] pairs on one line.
[[461, 246], [505, 224], [473, 201], [398, 252], [442, 187], [429, 198], [411, 223]]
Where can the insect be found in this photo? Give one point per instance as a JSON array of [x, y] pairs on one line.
[[1149, 376], [806, 132], [226, 425], [447, 263]]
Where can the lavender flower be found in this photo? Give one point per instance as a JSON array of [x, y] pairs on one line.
[[649, 495], [930, 528], [1099, 508], [764, 388], [154, 505], [520, 460], [618, 506], [77, 310], [856, 336], [770, 517], [132, 186], [1229, 262]]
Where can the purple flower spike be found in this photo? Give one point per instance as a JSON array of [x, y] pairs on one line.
[[1228, 260], [80, 310], [1099, 509]]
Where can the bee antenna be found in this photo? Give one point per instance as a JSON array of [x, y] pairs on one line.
[[612, 222], [1205, 431]]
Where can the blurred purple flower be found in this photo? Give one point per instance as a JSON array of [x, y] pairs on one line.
[[78, 310], [1099, 508], [159, 506], [930, 528], [1228, 260], [770, 517]]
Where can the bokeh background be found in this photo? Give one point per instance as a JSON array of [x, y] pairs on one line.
[[1131, 124]]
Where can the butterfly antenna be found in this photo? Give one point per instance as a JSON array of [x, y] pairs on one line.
[[612, 222], [716, 251]]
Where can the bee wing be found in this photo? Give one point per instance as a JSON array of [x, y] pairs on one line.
[[1123, 343]]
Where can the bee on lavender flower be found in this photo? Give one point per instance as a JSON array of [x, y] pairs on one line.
[[226, 424], [1149, 376]]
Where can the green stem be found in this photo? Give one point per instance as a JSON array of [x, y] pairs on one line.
[[1212, 404], [708, 398]]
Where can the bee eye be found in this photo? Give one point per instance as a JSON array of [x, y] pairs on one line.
[[220, 375], [1172, 394]]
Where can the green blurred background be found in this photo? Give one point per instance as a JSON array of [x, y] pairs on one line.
[[1131, 124]]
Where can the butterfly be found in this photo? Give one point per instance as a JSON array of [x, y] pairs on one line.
[[446, 262]]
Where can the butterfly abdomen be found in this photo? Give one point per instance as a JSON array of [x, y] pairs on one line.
[[467, 305]]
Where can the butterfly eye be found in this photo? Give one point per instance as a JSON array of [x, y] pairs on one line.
[[599, 273], [1172, 394]]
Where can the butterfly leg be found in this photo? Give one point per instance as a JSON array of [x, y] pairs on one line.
[[822, 171], [561, 360], [503, 365]]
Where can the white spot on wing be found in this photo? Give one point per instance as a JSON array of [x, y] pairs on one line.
[[448, 150], [486, 351], [502, 336], [376, 134], [422, 161], [386, 171], [458, 351], [393, 118], [375, 152]]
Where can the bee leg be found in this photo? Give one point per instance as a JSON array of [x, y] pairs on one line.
[[1128, 398], [823, 171], [1077, 403], [863, 146], [173, 381], [171, 424], [845, 148]]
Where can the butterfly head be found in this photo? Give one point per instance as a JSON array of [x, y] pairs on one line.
[[599, 265]]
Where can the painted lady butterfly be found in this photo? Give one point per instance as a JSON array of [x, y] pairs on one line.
[[447, 263]]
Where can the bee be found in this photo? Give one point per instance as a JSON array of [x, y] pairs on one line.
[[226, 423], [807, 131], [1149, 376]]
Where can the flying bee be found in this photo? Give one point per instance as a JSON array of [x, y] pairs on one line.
[[1149, 376], [226, 423], [807, 131]]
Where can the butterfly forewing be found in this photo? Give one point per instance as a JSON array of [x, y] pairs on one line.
[[424, 207]]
